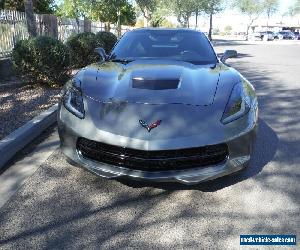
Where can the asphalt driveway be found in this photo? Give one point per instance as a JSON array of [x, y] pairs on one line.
[[64, 207]]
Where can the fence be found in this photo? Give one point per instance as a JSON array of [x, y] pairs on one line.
[[13, 28]]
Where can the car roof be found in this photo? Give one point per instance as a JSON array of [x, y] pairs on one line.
[[165, 29]]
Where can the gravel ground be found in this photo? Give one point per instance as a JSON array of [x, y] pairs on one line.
[[19, 105]]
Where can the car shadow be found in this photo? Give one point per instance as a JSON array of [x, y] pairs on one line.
[[220, 43], [240, 55]]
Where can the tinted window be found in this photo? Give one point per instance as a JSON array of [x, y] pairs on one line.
[[165, 44]]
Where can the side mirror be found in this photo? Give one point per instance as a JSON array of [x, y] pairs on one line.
[[101, 52], [228, 54]]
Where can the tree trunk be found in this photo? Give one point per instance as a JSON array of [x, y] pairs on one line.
[[119, 23], [2, 4], [196, 25], [78, 25], [107, 26], [249, 25], [87, 25], [247, 32], [30, 18], [186, 18], [251, 21], [210, 26], [146, 17]]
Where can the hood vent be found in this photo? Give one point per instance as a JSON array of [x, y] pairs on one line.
[[155, 84]]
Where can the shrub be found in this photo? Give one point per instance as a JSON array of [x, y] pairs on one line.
[[42, 59], [81, 47], [107, 39], [216, 31]]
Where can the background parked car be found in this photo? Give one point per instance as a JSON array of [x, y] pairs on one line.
[[297, 34], [285, 35], [267, 35], [262, 36]]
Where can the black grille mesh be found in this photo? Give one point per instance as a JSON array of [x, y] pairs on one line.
[[161, 160]]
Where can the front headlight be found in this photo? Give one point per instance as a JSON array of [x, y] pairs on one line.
[[73, 101], [238, 105]]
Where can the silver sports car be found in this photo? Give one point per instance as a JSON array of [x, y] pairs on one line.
[[161, 107]]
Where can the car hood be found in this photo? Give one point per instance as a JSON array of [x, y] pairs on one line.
[[151, 82], [115, 107]]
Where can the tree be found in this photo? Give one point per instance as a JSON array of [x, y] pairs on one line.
[[110, 11], [228, 29], [166, 23], [158, 17], [39, 6], [200, 6], [252, 8], [73, 9], [290, 12], [183, 10], [293, 9], [297, 7], [128, 16], [212, 7], [271, 6], [147, 7]]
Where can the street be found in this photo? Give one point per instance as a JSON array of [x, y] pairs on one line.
[[65, 207]]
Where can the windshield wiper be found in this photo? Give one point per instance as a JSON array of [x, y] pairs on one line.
[[121, 60]]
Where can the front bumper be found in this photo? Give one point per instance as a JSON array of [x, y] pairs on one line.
[[239, 146]]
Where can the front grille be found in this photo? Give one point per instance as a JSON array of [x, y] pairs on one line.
[[158, 160]]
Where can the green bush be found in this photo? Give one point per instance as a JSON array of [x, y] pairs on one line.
[[81, 47], [216, 31], [107, 39], [41, 59]]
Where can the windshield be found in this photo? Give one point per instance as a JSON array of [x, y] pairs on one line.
[[189, 46]]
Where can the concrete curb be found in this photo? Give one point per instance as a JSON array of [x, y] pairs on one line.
[[18, 139], [15, 84]]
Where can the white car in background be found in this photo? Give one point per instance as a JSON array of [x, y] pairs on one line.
[[268, 36], [262, 36]]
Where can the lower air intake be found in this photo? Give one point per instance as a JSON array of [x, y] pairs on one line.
[[160, 160]]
